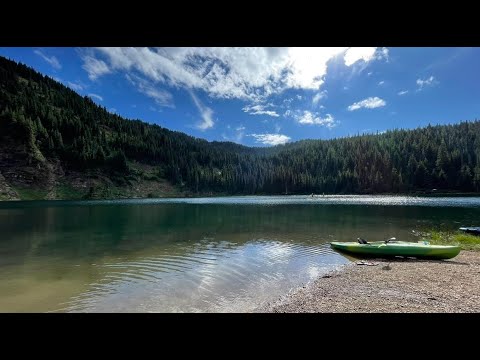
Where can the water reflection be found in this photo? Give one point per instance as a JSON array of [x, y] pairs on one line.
[[174, 256]]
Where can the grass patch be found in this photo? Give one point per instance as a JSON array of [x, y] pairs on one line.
[[465, 241], [31, 193], [67, 192]]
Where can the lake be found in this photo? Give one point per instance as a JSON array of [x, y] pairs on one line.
[[225, 254]]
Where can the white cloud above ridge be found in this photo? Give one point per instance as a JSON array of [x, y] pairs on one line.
[[271, 139], [259, 109], [75, 86], [205, 112], [310, 118], [52, 60], [237, 136], [95, 67], [161, 97], [368, 103], [95, 96], [241, 73]]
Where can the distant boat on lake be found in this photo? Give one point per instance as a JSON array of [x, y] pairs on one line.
[[471, 230]]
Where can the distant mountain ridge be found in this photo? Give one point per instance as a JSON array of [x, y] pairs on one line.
[[56, 144]]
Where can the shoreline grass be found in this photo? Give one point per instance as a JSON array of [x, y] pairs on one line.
[[464, 240]]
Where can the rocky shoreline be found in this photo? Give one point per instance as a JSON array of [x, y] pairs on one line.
[[390, 286]]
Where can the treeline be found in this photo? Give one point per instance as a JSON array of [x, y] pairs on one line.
[[52, 122]]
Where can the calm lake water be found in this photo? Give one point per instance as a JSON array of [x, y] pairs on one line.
[[193, 255]]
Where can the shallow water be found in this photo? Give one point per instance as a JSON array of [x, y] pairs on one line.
[[193, 255]]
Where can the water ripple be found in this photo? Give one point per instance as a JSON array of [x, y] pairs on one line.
[[232, 278]]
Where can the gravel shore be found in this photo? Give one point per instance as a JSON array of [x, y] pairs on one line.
[[389, 286]]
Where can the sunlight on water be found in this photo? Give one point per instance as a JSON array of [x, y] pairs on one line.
[[214, 278], [193, 255]]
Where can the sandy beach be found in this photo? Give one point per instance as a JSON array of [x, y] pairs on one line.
[[390, 286]]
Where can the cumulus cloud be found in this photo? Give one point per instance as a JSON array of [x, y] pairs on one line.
[[368, 103], [95, 96], [52, 60], [426, 83], [309, 118], [205, 112], [241, 73], [403, 92], [271, 139], [259, 109], [380, 83], [354, 54]]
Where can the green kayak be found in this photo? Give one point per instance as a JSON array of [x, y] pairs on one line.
[[398, 248]]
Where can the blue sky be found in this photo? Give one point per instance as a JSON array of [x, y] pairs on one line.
[[269, 96]]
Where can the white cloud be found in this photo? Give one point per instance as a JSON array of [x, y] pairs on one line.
[[380, 83], [319, 96], [309, 118], [241, 73], [94, 67], [271, 139], [369, 103], [95, 96], [403, 92], [52, 60], [354, 54], [299, 97], [75, 85], [259, 110], [237, 135], [205, 112], [425, 83], [382, 54], [161, 97], [113, 110], [369, 73]]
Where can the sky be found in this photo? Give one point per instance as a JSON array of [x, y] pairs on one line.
[[270, 96]]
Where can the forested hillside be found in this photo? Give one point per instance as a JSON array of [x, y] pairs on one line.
[[56, 144]]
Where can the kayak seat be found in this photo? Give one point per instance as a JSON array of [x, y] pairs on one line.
[[362, 241]]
